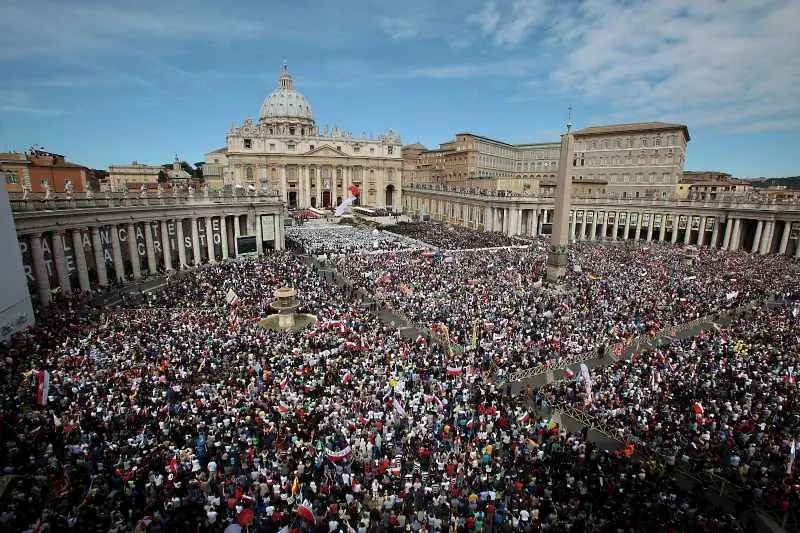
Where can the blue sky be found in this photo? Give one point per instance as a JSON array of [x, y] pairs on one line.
[[112, 82]]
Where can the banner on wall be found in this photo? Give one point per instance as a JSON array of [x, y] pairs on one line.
[[589, 216], [267, 228], [682, 221], [600, 216], [612, 216], [579, 216], [634, 218], [710, 223], [668, 221], [657, 221], [695, 222], [623, 217], [645, 220]]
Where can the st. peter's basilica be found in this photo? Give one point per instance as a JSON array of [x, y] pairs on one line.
[[286, 151]]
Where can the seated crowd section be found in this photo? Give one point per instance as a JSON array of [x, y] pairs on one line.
[[177, 411]]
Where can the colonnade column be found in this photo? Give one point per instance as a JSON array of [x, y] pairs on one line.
[[61, 262], [181, 243], [152, 266], [582, 229], [99, 257], [195, 243], [533, 217], [604, 226], [650, 223], [787, 229], [572, 226], [615, 226], [259, 237], [736, 236], [133, 252], [766, 238], [627, 226], [80, 260], [116, 251], [39, 268], [714, 234], [701, 235], [210, 240], [675, 223], [488, 219], [758, 236], [687, 235], [223, 228], [726, 237], [662, 230], [165, 247], [638, 231]]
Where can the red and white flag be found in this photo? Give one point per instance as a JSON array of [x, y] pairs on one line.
[[455, 370], [337, 456], [352, 194], [304, 511], [42, 386], [232, 298]]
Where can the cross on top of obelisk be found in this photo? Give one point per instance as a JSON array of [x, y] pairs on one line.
[[569, 118]]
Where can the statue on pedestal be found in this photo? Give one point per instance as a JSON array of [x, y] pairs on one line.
[[143, 191], [47, 194], [159, 190], [89, 191], [69, 189]]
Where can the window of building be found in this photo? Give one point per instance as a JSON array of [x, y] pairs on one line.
[[339, 148], [11, 177], [272, 146], [372, 150], [644, 141], [291, 131], [310, 146], [216, 160], [624, 194], [391, 149], [657, 142], [290, 147], [637, 194], [356, 148], [248, 143], [248, 172]]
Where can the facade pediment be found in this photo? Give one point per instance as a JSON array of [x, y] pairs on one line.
[[325, 151]]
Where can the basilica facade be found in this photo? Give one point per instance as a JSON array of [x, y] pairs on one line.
[[286, 152]]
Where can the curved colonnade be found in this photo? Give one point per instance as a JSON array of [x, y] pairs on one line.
[[85, 243]]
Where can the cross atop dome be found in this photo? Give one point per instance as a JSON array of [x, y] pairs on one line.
[[285, 81]]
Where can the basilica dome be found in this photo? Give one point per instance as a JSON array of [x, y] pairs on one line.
[[285, 102]]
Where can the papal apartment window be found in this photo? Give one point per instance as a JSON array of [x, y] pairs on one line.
[[248, 143], [11, 178]]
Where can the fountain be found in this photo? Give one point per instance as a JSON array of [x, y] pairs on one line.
[[286, 319]]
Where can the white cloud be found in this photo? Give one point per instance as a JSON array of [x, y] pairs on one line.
[[512, 67], [511, 24], [487, 19], [16, 101], [713, 63], [398, 28]]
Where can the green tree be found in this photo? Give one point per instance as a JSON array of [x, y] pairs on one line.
[[198, 171], [162, 176]]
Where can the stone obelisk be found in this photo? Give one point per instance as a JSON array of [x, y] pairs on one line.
[[559, 239]]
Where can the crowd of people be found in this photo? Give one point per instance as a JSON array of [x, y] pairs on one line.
[[494, 299], [343, 239], [179, 412], [724, 403], [450, 237]]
